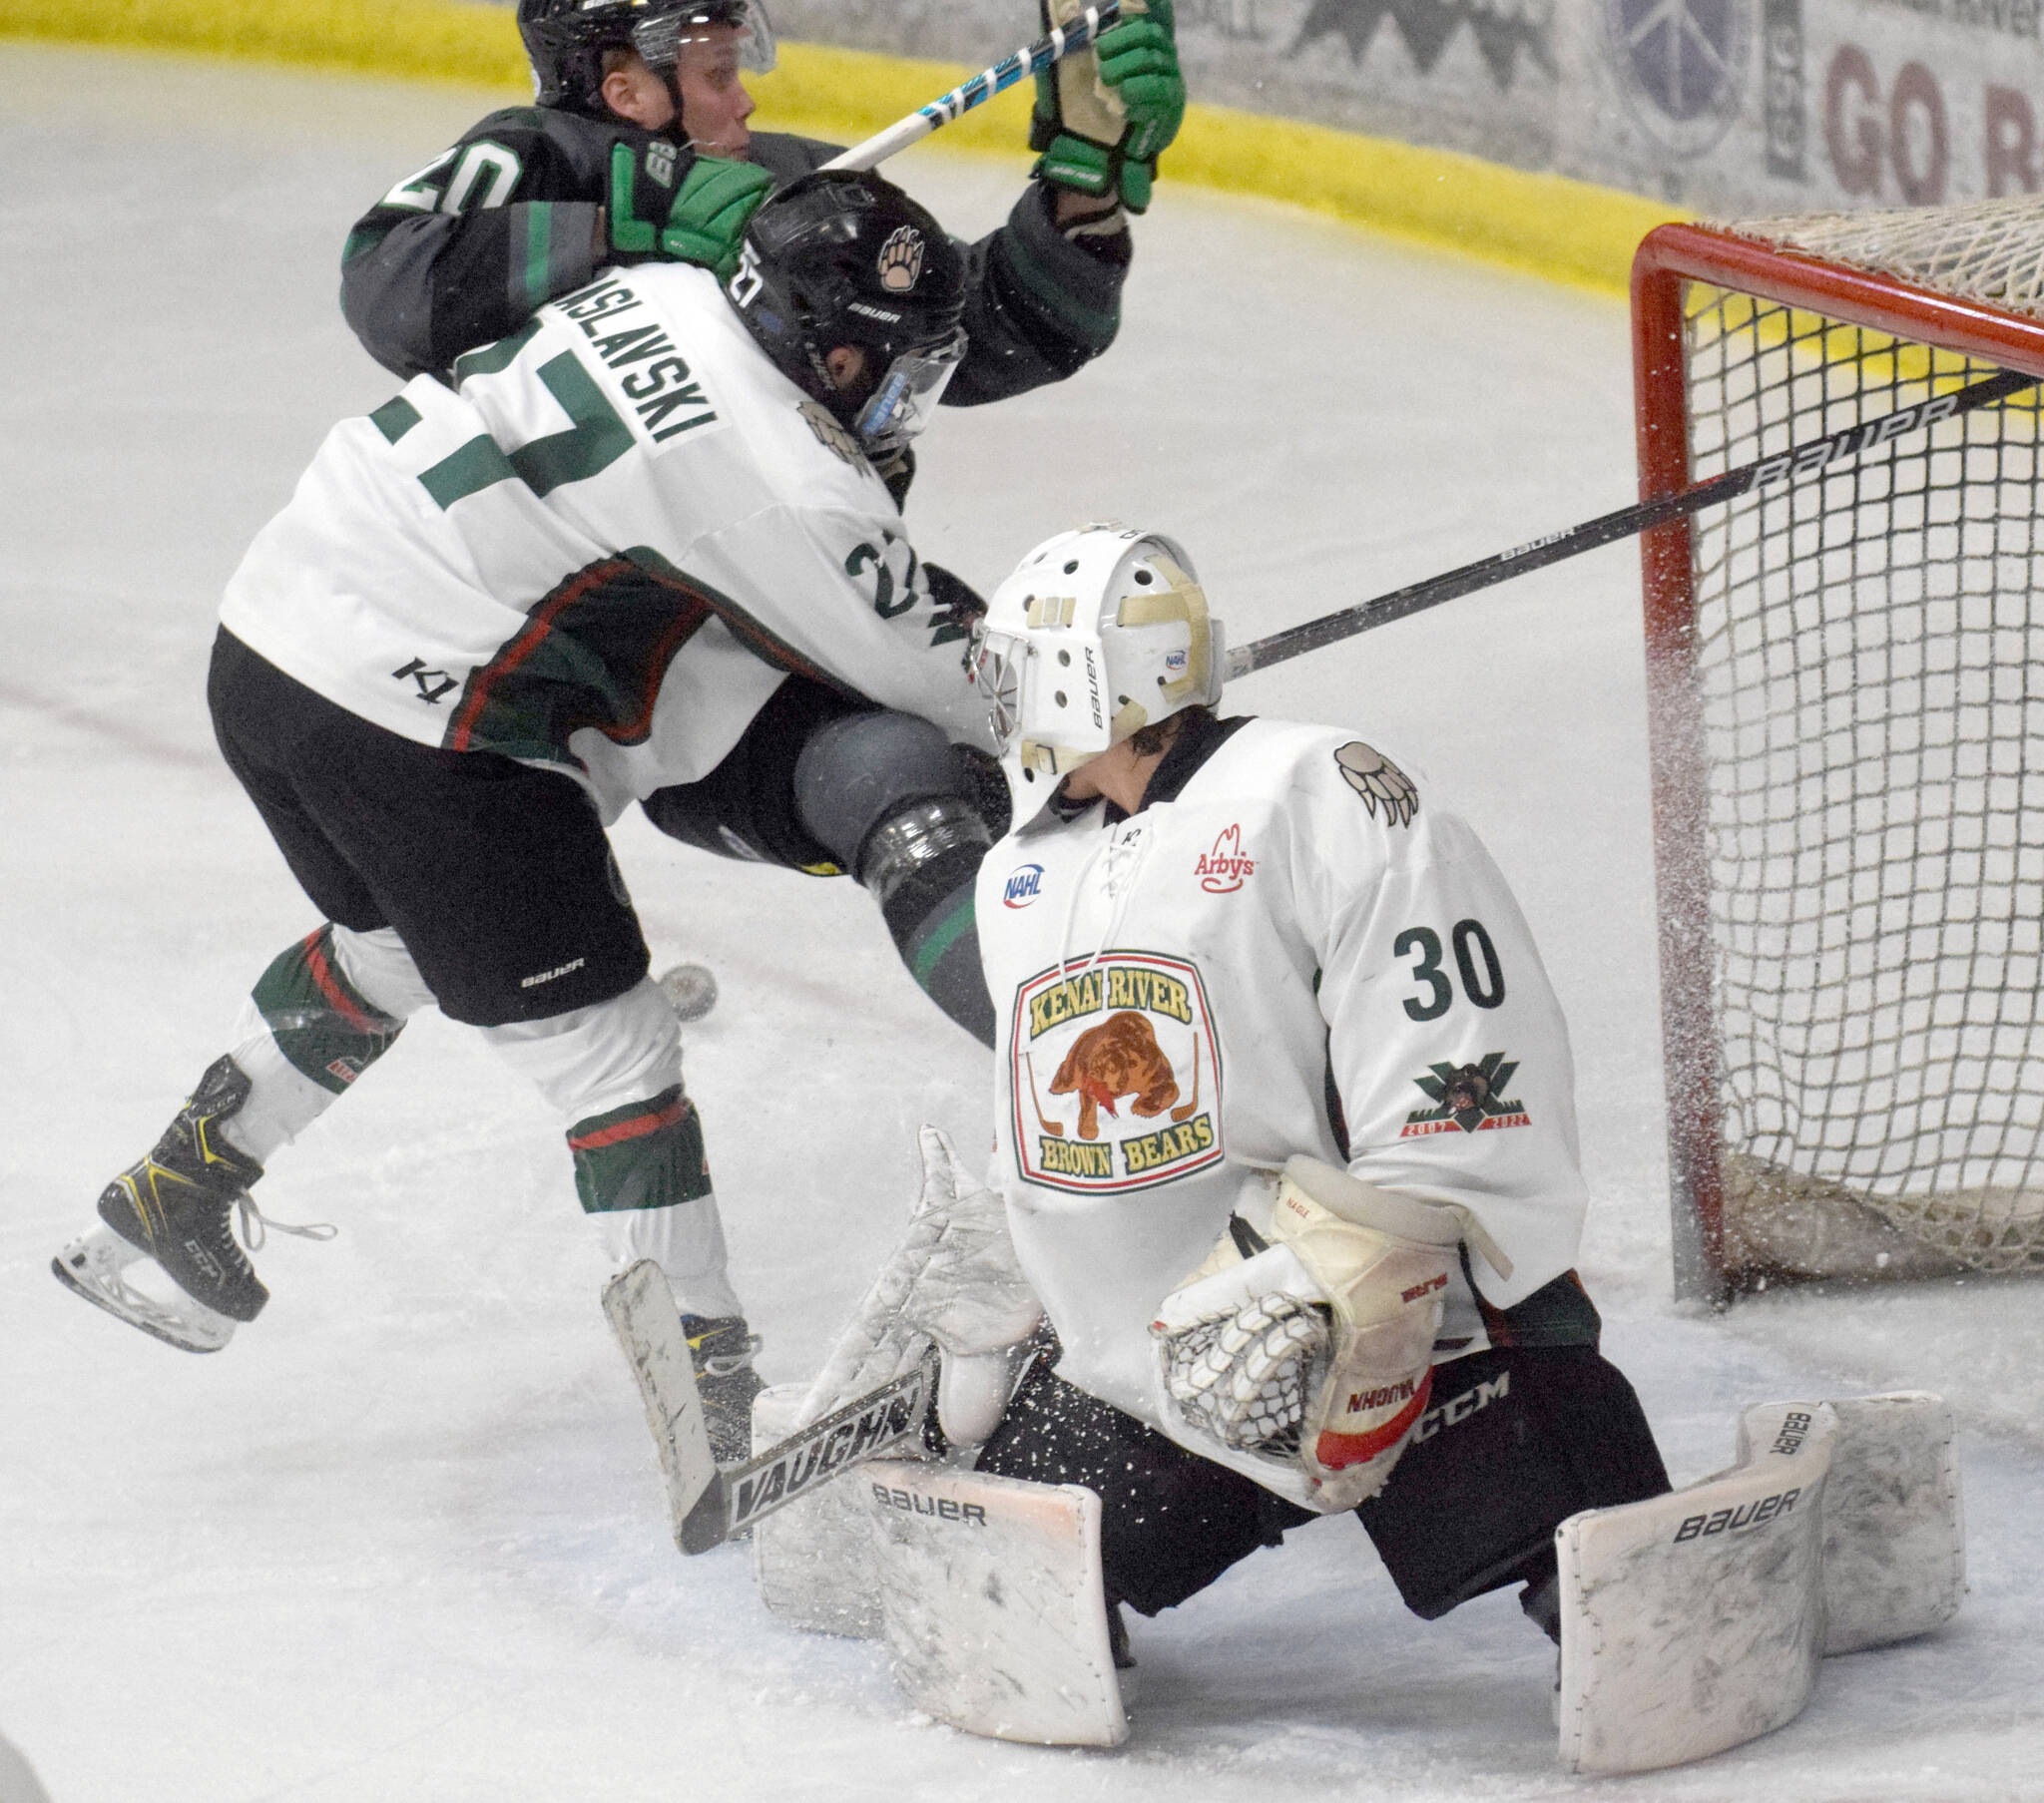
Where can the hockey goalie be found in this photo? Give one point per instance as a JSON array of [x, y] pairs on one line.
[[1285, 1124], [1286, 1155]]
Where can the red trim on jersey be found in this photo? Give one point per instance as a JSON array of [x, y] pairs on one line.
[[1337, 1451], [687, 622], [750, 633], [524, 645], [634, 1128]]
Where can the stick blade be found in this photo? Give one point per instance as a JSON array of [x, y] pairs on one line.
[[642, 1313]]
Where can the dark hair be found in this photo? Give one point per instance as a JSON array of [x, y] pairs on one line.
[[1151, 739]]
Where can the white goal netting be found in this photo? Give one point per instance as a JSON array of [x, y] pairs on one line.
[[1871, 651]]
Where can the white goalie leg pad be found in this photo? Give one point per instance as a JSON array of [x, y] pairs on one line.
[[1894, 1539], [1695, 1622], [995, 1609], [814, 1560]]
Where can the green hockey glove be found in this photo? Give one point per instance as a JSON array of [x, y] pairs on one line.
[[1103, 116], [696, 214]]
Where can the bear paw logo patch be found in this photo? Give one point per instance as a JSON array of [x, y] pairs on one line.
[[1378, 781], [901, 260]]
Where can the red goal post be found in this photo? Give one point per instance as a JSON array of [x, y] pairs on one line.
[[1851, 1027]]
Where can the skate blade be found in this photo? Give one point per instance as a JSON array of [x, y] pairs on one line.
[[92, 1268]]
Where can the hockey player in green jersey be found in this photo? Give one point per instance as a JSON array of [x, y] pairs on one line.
[[475, 635], [639, 146], [624, 158]]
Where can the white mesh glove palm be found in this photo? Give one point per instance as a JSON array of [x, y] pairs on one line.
[[1317, 1351]]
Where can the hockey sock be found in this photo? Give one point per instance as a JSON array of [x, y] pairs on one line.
[[323, 1025], [306, 1033], [614, 1072], [686, 1240]]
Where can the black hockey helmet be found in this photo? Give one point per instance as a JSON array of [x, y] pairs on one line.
[[843, 257], [566, 40]]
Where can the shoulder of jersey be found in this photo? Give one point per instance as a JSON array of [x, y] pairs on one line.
[[538, 121], [799, 446], [1327, 766]]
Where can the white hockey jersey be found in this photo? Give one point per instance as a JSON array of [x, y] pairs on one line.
[[600, 550], [1299, 952]]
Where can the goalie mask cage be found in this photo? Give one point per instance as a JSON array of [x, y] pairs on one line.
[[1846, 709]]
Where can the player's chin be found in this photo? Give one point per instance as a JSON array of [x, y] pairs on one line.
[[731, 144]]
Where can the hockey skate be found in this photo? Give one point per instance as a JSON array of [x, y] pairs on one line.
[[721, 1352], [111, 1274], [176, 1204]]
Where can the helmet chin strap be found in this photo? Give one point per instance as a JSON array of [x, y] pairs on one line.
[[677, 127]]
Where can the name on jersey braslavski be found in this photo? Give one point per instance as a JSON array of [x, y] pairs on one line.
[[655, 378]]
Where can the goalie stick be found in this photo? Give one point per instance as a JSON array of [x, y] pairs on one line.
[[874, 151], [709, 1504], [1766, 472]]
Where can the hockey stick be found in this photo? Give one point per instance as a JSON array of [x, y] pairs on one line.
[[709, 1504], [1803, 460], [867, 1426], [981, 89]]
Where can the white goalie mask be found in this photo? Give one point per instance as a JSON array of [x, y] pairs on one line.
[[1096, 635]]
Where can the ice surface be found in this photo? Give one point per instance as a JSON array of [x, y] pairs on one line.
[[404, 1539]]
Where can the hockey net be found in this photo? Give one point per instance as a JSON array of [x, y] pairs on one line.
[[1847, 695]]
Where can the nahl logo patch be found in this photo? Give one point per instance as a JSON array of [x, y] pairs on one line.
[[834, 437], [1469, 1098], [1024, 885]]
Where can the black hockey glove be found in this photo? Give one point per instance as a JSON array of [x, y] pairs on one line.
[[667, 203], [1102, 117]]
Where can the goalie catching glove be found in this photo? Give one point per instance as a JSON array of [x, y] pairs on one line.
[[1314, 1352], [1105, 114], [667, 203]]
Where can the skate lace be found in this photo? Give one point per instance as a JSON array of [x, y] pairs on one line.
[[730, 1364], [256, 1225]]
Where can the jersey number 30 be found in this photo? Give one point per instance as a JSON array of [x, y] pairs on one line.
[[1484, 987]]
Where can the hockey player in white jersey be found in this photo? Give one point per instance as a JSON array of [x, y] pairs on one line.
[[1285, 1124], [497, 610]]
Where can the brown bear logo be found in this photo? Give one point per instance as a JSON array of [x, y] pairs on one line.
[[1118, 1057]]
